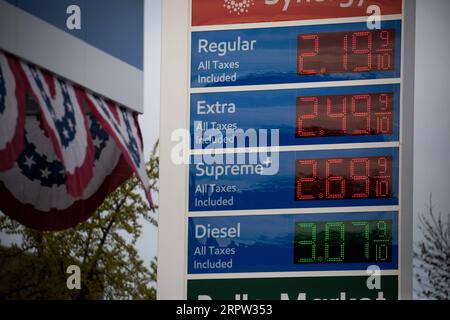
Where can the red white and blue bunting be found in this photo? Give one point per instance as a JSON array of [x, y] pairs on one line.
[[57, 167], [12, 112], [121, 124], [65, 123]]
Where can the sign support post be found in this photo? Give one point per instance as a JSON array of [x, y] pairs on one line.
[[407, 213], [172, 254]]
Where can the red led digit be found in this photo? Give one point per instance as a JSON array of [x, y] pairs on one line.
[[365, 115], [384, 118], [332, 179], [342, 115], [345, 58], [385, 52], [367, 51], [384, 101], [303, 55], [305, 102], [382, 187], [358, 177], [385, 36], [382, 165], [301, 181], [384, 61], [383, 123]]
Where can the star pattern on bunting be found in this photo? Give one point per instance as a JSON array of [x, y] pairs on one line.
[[65, 125]]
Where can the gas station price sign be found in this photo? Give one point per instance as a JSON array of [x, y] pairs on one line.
[[300, 161]]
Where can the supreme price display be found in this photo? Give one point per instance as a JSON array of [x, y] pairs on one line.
[[344, 178]]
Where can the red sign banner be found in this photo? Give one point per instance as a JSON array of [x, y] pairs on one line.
[[220, 12]]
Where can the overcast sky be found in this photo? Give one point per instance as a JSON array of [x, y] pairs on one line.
[[432, 106]]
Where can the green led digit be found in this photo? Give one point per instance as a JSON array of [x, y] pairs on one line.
[[382, 250], [311, 242], [341, 230], [382, 245], [366, 227], [382, 226]]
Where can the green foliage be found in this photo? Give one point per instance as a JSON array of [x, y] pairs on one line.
[[104, 247], [432, 256]]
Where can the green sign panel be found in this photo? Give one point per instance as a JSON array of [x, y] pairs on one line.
[[316, 288]]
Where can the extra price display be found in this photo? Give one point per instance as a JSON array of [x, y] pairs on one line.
[[295, 54], [345, 115], [304, 179], [356, 114], [286, 243]]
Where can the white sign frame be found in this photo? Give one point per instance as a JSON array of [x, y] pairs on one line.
[[37, 41]]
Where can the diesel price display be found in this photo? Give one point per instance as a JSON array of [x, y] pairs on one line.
[[343, 241]]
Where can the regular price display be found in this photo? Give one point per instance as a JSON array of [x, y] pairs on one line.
[[345, 115], [357, 241], [344, 178], [346, 52]]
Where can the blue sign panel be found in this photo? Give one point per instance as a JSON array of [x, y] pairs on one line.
[[306, 179], [302, 116], [295, 54], [113, 26], [283, 243]]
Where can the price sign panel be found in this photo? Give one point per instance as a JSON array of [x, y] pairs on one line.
[[289, 243], [306, 179], [354, 114], [296, 54]]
